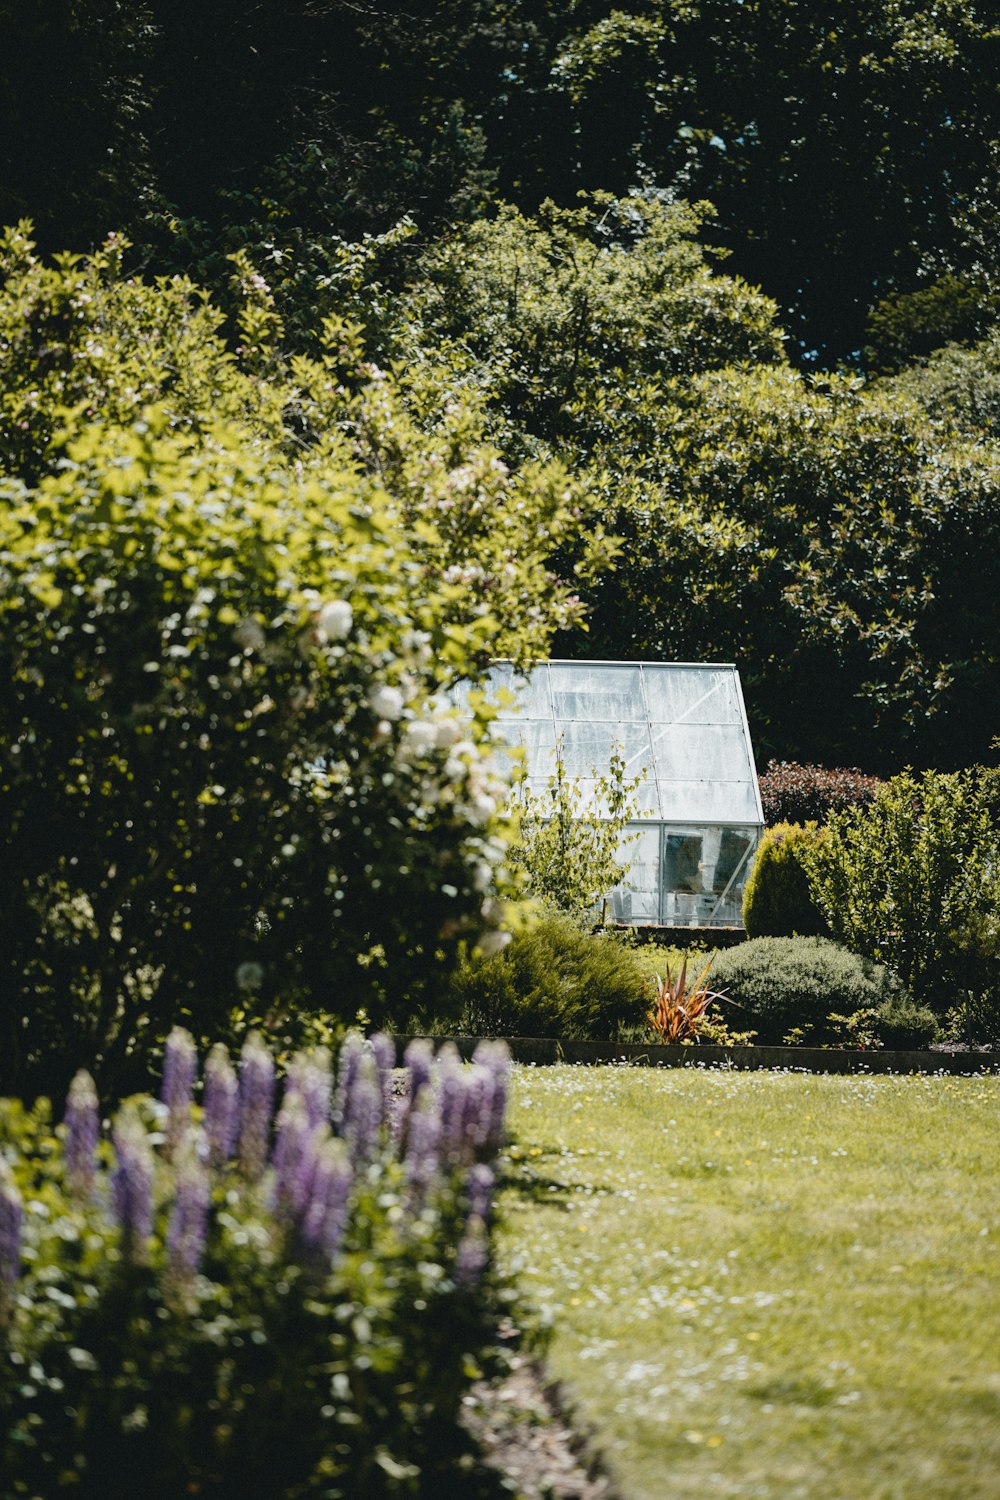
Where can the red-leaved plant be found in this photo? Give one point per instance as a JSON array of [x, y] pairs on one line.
[[679, 1008]]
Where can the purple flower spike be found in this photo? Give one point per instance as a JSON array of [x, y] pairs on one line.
[[222, 1106], [131, 1181], [472, 1255], [362, 1110], [451, 1102], [421, 1163], [189, 1216], [310, 1076], [495, 1057], [481, 1182], [384, 1052], [82, 1131], [294, 1158], [256, 1103], [11, 1219], [417, 1059], [180, 1065], [328, 1210], [351, 1053], [477, 1110]]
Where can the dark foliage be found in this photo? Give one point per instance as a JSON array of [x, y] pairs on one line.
[[792, 793]]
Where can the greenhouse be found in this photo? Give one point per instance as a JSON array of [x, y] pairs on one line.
[[683, 729]]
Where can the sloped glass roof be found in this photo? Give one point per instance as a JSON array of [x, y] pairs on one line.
[[682, 727]]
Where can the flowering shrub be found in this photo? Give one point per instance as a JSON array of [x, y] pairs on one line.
[[231, 1302], [792, 793], [225, 776]]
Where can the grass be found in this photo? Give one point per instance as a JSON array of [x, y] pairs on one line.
[[769, 1285]]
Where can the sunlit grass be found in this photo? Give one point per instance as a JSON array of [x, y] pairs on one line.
[[769, 1285]]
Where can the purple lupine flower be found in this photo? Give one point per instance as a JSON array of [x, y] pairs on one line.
[[256, 1103], [180, 1065], [132, 1181], [351, 1052], [294, 1157], [451, 1102], [480, 1191], [310, 1076], [221, 1106], [477, 1110], [326, 1215], [417, 1059], [383, 1050], [472, 1255], [362, 1110], [495, 1056], [189, 1215], [83, 1127], [11, 1219], [421, 1164]]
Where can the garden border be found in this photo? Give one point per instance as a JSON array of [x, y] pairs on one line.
[[544, 1051]]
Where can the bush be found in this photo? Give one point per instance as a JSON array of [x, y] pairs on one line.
[[190, 1303], [786, 984], [554, 979], [792, 793], [777, 900], [903, 879], [903, 1025]]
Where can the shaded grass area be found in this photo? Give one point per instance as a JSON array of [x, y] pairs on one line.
[[769, 1285]]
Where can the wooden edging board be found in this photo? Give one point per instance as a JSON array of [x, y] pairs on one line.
[[543, 1051]]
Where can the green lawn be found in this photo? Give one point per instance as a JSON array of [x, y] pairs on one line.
[[769, 1285]]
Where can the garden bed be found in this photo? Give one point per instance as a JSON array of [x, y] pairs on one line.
[[542, 1051]]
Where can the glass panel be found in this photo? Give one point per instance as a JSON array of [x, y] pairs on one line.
[[593, 690], [530, 694], [703, 752], [587, 747], [693, 695], [539, 739], [704, 873], [707, 801], [637, 898]]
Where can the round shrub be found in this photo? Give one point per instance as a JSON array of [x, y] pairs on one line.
[[777, 902], [785, 984], [554, 979], [903, 1025], [791, 793]]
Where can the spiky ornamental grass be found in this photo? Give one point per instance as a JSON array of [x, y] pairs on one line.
[[251, 1299]]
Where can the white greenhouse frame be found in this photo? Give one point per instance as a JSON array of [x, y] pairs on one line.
[[681, 725]]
